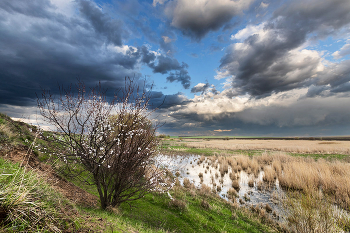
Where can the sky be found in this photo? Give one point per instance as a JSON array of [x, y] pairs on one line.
[[219, 67]]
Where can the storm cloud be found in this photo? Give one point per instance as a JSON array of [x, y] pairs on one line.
[[197, 18], [102, 24], [50, 48], [278, 114], [269, 58], [167, 65]]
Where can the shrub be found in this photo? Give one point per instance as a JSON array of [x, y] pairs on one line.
[[107, 144]]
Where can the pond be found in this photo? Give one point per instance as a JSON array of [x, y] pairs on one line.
[[190, 166]]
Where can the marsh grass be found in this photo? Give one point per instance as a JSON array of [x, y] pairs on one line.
[[251, 183], [235, 185], [333, 178], [205, 190], [269, 175], [232, 193], [313, 212]]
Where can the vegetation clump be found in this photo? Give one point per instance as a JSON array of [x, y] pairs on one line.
[[105, 143]]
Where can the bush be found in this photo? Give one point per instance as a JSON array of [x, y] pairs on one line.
[[109, 144]]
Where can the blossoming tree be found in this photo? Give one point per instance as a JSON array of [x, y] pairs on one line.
[[109, 144]]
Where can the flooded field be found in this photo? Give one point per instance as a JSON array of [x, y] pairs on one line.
[[240, 186]]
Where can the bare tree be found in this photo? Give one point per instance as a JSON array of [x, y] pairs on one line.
[[109, 144]]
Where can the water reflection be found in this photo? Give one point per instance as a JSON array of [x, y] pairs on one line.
[[188, 167]]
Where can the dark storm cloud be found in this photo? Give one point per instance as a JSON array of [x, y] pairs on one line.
[[168, 65], [104, 25], [161, 101], [311, 116], [165, 64], [315, 90], [43, 54], [36, 54], [333, 80], [266, 63], [147, 56], [197, 18], [307, 112], [341, 88], [180, 76]]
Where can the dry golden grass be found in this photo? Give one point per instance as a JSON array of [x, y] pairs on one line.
[[277, 166], [243, 161], [201, 160], [235, 185], [313, 212], [268, 208], [233, 176], [223, 167], [269, 174], [305, 174], [251, 183], [260, 185], [186, 183], [232, 193], [294, 146], [6, 130], [178, 204], [237, 168], [231, 161], [205, 190], [255, 167]]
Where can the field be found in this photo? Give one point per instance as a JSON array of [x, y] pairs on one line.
[[314, 148], [293, 146]]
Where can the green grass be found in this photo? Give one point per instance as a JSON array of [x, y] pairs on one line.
[[154, 213], [29, 203]]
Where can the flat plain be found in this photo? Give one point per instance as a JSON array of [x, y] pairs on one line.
[[292, 146]]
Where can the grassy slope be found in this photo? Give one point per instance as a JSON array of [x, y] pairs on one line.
[[154, 213]]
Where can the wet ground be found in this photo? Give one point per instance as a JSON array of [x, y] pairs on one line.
[[187, 167]]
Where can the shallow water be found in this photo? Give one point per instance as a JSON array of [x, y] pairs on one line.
[[187, 166]]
